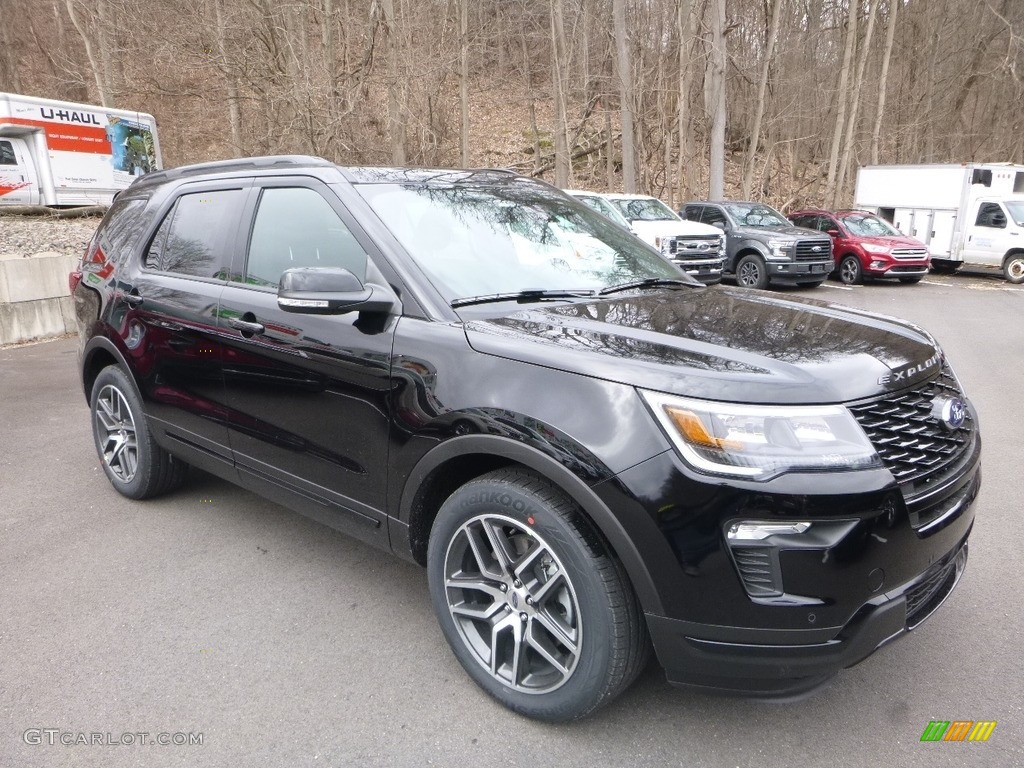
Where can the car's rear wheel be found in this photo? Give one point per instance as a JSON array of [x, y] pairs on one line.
[[850, 272], [752, 273], [135, 465], [533, 605]]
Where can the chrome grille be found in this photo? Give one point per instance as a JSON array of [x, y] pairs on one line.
[[915, 446], [910, 253], [805, 250], [693, 247]]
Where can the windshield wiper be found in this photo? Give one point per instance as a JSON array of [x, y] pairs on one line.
[[650, 282], [523, 297]]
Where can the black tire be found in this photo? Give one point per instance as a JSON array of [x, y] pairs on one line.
[[910, 280], [850, 271], [944, 266], [556, 587], [1013, 268], [751, 272], [135, 465]]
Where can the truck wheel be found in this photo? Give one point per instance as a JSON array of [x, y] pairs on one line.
[[752, 273], [135, 465], [534, 607], [850, 272], [1013, 268]]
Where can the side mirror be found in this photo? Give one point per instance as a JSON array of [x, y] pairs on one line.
[[719, 225], [832, 232], [998, 220], [329, 291]]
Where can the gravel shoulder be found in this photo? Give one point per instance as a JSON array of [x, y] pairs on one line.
[[27, 236]]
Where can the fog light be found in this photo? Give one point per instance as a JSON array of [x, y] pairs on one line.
[[754, 531], [877, 264]]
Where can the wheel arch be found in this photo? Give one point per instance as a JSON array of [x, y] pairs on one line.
[[459, 460], [98, 354], [1011, 253]]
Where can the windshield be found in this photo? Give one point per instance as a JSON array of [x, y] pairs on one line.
[[1016, 209], [756, 215], [865, 225], [504, 237], [644, 209], [605, 208]]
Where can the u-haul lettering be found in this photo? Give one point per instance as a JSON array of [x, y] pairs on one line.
[[68, 116]]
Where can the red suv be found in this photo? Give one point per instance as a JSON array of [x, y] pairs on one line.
[[867, 246]]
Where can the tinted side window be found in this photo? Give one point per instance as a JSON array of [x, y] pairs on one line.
[[126, 221], [804, 221], [991, 215], [195, 238], [7, 154], [296, 227], [713, 215]]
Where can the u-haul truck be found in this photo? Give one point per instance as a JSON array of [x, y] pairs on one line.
[[62, 153], [966, 214]]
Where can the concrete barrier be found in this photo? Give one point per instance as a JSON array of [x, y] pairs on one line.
[[34, 298]]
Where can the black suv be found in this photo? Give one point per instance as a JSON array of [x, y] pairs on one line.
[[588, 451], [762, 247]]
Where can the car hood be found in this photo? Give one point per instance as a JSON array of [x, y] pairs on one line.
[[780, 231], [718, 344], [892, 241], [649, 230]]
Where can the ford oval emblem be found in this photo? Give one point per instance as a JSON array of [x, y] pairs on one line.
[[951, 411], [816, 248]]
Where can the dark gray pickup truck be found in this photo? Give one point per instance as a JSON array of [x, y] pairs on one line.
[[762, 246]]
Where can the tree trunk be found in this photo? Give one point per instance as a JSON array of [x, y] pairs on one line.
[[685, 28], [464, 82], [842, 96], [563, 167], [890, 34], [624, 69], [396, 116], [851, 126], [105, 97], [762, 86], [716, 101]]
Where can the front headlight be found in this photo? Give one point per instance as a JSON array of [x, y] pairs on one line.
[[872, 248], [759, 442], [778, 247]]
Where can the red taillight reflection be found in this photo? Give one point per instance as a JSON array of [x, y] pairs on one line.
[[74, 278]]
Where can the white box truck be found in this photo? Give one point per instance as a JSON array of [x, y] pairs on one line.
[[60, 153], [966, 214]]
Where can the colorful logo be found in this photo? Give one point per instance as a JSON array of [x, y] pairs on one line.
[[958, 730]]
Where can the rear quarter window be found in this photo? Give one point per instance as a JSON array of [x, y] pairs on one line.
[[196, 237], [125, 222]]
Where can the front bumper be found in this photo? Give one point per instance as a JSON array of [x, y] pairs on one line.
[[774, 663], [900, 270], [799, 271], [707, 271], [873, 565]]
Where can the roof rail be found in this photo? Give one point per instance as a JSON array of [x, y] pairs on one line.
[[239, 164]]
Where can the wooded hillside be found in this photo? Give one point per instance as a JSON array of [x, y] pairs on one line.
[[779, 100]]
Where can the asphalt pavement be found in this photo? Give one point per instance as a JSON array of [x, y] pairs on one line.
[[214, 616]]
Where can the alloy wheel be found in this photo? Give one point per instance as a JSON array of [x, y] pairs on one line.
[[513, 604], [115, 433]]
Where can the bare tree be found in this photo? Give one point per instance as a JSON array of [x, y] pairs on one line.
[[762, 86], [624, 70], [715, 95]]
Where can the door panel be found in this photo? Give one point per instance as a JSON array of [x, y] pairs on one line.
[[308, 395], [18, 184]]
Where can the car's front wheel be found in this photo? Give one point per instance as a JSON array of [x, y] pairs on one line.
[[850, 272], [135, 465], [751, 272], [1013, 268], [533, 605]]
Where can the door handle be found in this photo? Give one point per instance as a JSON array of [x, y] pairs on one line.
[[133, 299], [247, 327]]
